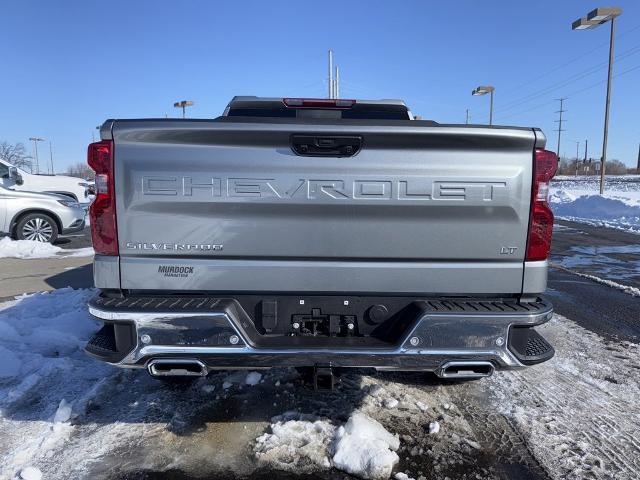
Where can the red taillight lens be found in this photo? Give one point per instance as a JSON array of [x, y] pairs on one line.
[[541, 222], [318, 103], [103, 209]]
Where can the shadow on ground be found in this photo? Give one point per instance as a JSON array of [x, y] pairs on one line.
[[78, 277]]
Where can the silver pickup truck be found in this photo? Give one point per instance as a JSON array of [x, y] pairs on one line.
[[320, 233]]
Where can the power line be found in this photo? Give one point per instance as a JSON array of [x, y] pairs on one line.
[[569, 95], [565, 64], [567, 81]]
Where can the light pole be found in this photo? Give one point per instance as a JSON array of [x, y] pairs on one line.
[[35, 141], [593, 19], [183, 104], [51, 157], [483, 90]]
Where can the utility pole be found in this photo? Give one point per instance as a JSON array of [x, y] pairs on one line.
[[331, 74], [559, 122], [35, 141], [586, 145], [466, 122], [336, 88], [638, 166], [51, 157]]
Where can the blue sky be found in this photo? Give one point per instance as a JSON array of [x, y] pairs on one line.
[[67, 66]]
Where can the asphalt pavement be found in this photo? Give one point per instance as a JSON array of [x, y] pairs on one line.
[[604, 253]]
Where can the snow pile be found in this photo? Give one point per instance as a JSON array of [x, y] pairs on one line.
[[365, 448], [613, 209], [37, 331], [297, 443], [31, 249], [303, 443], [30, 473]]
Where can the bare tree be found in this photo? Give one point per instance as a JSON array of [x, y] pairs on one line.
[[16, 155], [81, 170], [616, 167]]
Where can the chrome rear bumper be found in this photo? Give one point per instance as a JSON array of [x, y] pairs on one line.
[[216, 333]]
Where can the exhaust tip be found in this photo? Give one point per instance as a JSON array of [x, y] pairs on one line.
[[177, 367], [465, 369]]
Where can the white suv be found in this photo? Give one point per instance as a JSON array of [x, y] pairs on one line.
[[17, 179], [38, 216]]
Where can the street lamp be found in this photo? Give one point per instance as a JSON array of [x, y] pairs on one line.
[[35, 141], [483, 90], [183, 104], [593, 19]]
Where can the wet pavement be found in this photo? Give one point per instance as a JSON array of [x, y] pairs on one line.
[[602, 252]]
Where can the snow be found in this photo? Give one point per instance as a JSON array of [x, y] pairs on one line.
[[31, 249], [30, 473], [577, 200], [208, 388], [633, 291], [10, 364], [577, 411], [361, 447], [402, 476], [365, 448], [42, 365], [390, 403], [37, 331], [253, 378], [297, 442], [63, 414], [423, 407], [434, 428]]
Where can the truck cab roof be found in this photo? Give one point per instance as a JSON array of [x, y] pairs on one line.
[[324, 108]]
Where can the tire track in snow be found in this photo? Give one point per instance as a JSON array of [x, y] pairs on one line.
[[578, 411]]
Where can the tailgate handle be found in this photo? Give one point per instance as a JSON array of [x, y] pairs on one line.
[[326, 145]]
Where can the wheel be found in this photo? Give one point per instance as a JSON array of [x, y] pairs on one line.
[[37, 226]]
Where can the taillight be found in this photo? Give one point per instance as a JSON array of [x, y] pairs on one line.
[[545, 165], [103, 209], [318, 103]]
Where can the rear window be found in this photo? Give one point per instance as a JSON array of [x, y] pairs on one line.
[[360, 111]]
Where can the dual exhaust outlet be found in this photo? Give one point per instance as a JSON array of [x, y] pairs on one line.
[[177, 367], [465, 369], [184, 367]]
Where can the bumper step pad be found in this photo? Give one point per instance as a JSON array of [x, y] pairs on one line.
[[529, 346], [112, 342]]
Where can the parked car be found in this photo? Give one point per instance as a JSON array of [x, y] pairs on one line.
[[38, 216], [320, 233], [17, 179]]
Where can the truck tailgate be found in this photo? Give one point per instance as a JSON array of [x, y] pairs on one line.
[[228, 206]]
